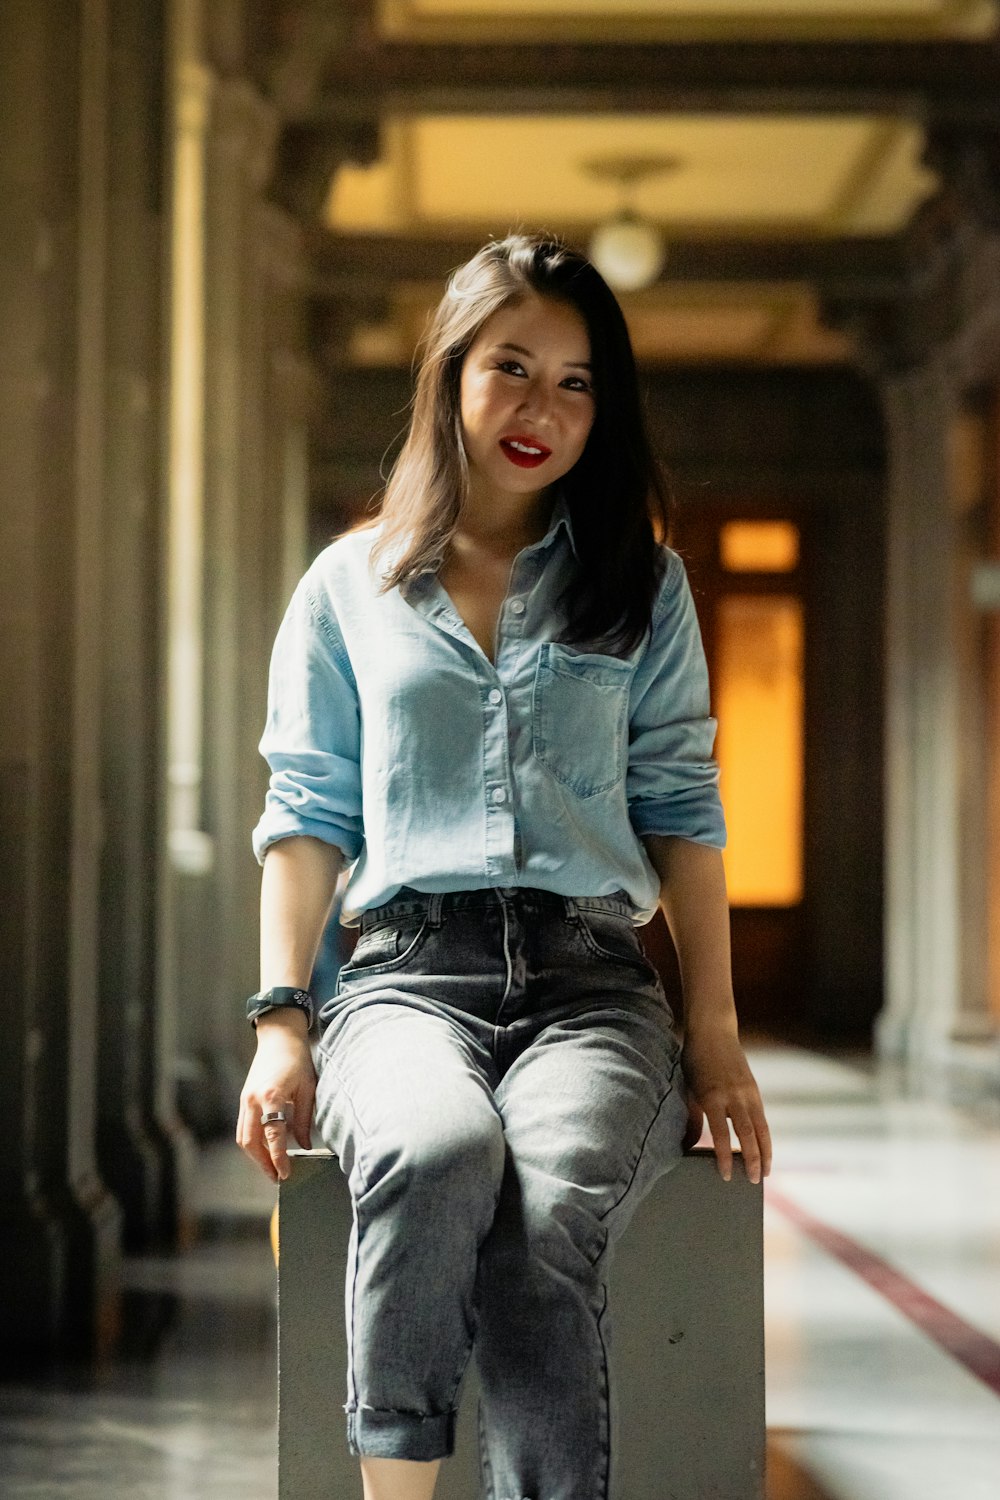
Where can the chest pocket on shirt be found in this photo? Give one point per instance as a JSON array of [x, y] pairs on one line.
[[579, 718]]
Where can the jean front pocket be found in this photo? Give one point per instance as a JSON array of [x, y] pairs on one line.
[[388, 945], [579, 721], [609, 935]]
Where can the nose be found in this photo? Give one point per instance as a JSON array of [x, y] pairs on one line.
[[537, 402]]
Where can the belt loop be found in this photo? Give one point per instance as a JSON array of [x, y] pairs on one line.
[[572, 911], [434, 909]]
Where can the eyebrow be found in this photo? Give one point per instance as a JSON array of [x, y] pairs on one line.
[[574, 364]]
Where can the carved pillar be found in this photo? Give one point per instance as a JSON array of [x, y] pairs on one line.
[[60, 1227], [236, 513], [928, 350], [274, 550], [31, 1242], [135, 1153], [93, 1282], [924, 917], [240, 484], [185, 849]]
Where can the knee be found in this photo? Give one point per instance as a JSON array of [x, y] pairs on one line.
[[442, 1161], [561, 1226], [457, 1150]]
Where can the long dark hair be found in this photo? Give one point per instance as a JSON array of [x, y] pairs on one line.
[[618, 499]]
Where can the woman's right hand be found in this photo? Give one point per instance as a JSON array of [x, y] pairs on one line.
[[281, 1077]]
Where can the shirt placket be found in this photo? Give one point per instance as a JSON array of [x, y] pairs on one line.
[[499, 818], [503, 855], [493, 683]]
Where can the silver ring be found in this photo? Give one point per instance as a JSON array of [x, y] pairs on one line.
[[275, 1117]]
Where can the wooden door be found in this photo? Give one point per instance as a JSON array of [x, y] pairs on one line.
[[747, 572]]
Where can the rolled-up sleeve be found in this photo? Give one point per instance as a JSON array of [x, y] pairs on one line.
[[312, 739], [673, 782]]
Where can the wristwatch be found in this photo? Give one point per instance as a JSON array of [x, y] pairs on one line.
[[274, 999]]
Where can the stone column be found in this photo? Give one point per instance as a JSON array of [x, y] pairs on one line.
[[60, 1235], [185, 848], [31, 1241], [241, 487], [924, 917], [929, 350], [135, 1152], [242, 522]]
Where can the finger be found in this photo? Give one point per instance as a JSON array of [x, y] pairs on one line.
[[276, 1137], [750, 1116], [275, 1133], [695, 1125], [255, 1145], [256, 1148], [749, 1145], [718, 1124], [302, 1125], [764, 1136], [761, 1129], [261, 1154], [250, 1135]]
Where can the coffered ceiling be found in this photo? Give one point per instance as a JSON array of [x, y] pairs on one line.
[[731, 176], [663, 19], [459, 173]]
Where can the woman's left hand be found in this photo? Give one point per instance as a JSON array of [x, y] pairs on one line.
[[721, 1087]]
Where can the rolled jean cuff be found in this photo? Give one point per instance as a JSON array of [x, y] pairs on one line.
[[400, 1434]]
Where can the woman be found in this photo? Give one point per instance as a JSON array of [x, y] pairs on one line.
[[495, 705]]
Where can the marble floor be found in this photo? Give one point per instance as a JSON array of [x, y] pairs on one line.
[[882, 1227]]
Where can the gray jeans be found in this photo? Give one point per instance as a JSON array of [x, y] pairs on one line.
[[499, 1079]]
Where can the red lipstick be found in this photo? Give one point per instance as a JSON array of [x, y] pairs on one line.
[[524, 451]]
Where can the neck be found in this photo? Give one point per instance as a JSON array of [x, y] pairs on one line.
[[505, 523]]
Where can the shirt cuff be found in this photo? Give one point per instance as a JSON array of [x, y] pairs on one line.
[[274, 827], [700, 821]]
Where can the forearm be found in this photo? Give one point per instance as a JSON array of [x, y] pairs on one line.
[[694, 901], [719, 1080], [296, 894], [297, 890]]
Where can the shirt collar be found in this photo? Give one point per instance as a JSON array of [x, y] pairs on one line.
[[561, 520]]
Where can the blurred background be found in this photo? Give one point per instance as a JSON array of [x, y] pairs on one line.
[[225, 222]]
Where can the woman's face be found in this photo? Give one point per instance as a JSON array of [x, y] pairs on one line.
[[527, 398]]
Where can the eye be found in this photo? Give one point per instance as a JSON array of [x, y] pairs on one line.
[[578, 383], [510, 367]]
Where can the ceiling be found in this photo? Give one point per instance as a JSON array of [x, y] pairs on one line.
[[662, 20], [749, 177], [461, 173]]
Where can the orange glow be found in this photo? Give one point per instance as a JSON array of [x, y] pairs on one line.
[[760, 700], [759, 546]]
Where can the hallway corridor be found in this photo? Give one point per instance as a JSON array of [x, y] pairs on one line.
[[883, 1320]]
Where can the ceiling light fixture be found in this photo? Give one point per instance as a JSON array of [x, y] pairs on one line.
[[627, 249]]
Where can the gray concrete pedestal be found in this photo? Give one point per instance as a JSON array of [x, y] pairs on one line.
[[687, 1354]]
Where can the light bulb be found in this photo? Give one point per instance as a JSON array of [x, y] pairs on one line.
[[628, 252]]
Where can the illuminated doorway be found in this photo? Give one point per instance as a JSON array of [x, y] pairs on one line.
[[748, 578], [759, 695]]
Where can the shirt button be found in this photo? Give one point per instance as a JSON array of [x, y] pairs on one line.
[[517, 606], [499, 795], [495, 695]]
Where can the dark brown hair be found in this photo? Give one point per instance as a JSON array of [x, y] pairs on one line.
[[618, 500]]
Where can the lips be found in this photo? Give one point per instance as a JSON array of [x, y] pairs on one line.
[[524, 451]]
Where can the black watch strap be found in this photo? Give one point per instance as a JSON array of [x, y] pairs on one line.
[[274, 999]]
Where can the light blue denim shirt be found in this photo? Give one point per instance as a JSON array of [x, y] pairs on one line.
[[392, 735]]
